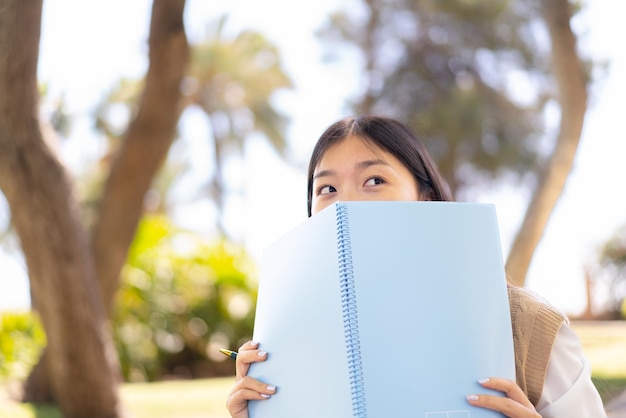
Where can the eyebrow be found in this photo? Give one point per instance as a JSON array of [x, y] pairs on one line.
[[360, 165]]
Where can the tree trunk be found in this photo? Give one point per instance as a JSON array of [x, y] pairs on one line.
[[37, 387], [70, 283], [144, 145], [588, 312], [82, 364], [572, 87]]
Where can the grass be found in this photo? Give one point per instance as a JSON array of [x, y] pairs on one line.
[[189, 399], [605, 346], [603, 343], [173, 399]]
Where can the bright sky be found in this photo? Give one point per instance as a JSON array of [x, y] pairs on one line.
[[104, 41]]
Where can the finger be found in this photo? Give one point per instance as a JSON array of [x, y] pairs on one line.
[[506, 406], [237, 401], [509, 388], [247, 357], [250, 383], [495, 403], [251, 356], [249, 388], [514, 405], [244, 358], [249, 395], [249, 345]]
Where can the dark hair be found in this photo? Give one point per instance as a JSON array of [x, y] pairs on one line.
[[391, 136]]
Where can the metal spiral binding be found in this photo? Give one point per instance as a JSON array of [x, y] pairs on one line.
[[350, 316]]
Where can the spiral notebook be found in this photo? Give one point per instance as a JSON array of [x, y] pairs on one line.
[[383, 309]]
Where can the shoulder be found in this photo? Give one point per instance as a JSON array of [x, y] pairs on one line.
[[529, 306], [568, 389], [535, 325]]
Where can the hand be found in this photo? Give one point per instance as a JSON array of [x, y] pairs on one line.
[[247, 388], [515, 405]]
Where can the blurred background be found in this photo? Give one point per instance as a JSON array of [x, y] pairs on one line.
[[264, 80]]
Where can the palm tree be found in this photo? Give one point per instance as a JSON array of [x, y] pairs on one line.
[[232, 81]]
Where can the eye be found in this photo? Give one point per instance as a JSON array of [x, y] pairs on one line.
[[326, 190], [374, 181]]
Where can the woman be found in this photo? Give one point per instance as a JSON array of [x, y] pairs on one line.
[[376, 158]]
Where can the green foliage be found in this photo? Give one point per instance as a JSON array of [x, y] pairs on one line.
[[608, 387], [613, 263], [614, 250], [180, 301], [471, 77], [234, 80], [21, 340]]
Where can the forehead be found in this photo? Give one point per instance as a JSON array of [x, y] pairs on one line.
[[350, 148]]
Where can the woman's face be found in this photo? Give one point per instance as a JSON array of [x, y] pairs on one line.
[[357, 170]]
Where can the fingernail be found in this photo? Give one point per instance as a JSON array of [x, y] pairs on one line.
[[265, 395], [472, 398], [485, 380], [271, 388], [253, 343], [262, 353]]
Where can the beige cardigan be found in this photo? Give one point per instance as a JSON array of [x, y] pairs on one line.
[[535, 326]]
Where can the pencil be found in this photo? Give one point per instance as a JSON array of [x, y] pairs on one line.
[[229, 353]]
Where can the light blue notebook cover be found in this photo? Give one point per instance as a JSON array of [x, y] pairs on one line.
[[384, 309]]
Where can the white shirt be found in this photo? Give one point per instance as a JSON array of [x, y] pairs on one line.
[[568, 391]]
